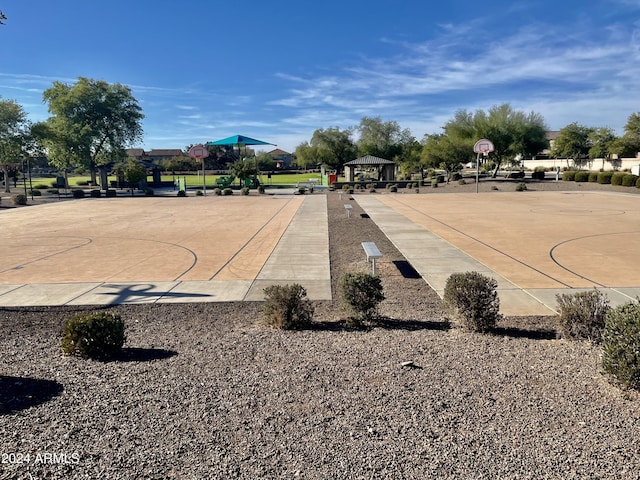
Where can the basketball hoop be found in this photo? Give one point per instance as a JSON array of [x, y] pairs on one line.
[[483, 147]]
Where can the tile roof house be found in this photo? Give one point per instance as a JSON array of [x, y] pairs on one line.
[[283, 159]]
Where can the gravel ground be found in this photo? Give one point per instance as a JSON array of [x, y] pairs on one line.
[[201, 391]]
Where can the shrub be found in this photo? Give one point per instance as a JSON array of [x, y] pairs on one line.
[[493, 187], [455, 176], [582, 315], [35, 193], [593, 177], [244, 191], [41, 186], [77, 193], [110, 193], [605, 177], [361, 293], [629, 180], [582, 176], [393, 188], [149, 192], [93, 334], [638, 183], [95, 193], [538, 173], [199, 193], [616, 178], [462, 181], [287, 307], [434, 183], [621, 344], [227, 191], [521, 187], [182, 193], [261, 189], [568, 175], [473, 300], [20, 199], [217, 191], [519, 174]]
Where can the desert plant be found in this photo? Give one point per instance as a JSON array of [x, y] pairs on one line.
[[462, 181], [538, 173], [227, 191], [521, 187], [41, 186], [244, 191], [217, 191], [605, 177], [582, 314], [35, 193], [621, 344], [361, 293], [261, 189], [593, 177], [616, 178], [473, 300], [77, 193], [287, 307], [629, 180], [20, 199], [393, 188], [182, 193], [149, 192], [94, 193], [199, 193], [568, 176], [582, 176], [93, 334], [493, 187], [434, 183]]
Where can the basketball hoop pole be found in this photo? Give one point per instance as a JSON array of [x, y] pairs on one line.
[[477, 170]]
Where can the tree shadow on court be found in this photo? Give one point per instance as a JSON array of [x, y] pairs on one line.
[[20, 393], [141, 292]]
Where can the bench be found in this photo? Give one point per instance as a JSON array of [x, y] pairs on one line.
[[348, 208], [372, 252]]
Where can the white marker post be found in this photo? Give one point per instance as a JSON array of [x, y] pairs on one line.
[[200, 152], [483, 146]]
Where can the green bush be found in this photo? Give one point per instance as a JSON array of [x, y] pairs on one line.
[[569, 176], [473, 300], [287, 307], [182, 193], [149, 192], [361, 294], [41, 186], [462, 181], [393, 188], [244, 191], [20, 199], [593, 177], [35, 193], [538, 173], [621, 344], [95, 193], [582, 314], [199, 193], [77, 193], [455, 176], [93, 335], [616, 178], [582, 176], [604, 178], [521, 187], [629, 180], [110, 193], [434, 183], [227, 191], [217, 191]]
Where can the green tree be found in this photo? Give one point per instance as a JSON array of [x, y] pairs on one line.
[[244, 169], [514, 134], [446, 152], [381, 139], [629, 144], [334, 147], [181, 163], [14, 138], [573, 142], [134, 173], [307, 155], [91, 119], [601, 140]]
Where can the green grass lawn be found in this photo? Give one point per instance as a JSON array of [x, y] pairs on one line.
[[193, 180]]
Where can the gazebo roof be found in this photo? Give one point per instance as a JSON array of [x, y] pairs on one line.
[[370, 160]]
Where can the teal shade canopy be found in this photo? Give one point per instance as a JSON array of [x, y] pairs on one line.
[[238, 140]]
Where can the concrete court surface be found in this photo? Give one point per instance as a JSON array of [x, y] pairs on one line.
[[535, 244], [162, 249]]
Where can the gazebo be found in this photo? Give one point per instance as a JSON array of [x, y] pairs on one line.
[[386, 169]]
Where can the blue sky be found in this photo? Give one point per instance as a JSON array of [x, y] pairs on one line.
[[278, 70]]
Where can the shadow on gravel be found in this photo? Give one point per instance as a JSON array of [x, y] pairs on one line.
[[141, 355], [19, 393], [524, 333], [384, 323], [406, 269]]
